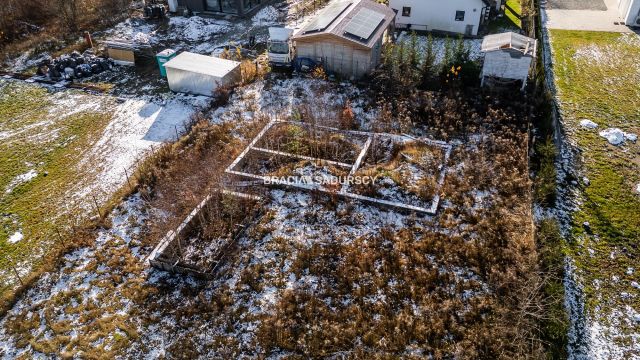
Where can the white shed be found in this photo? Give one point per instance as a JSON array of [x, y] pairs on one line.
[[200, 74], [508, 56]]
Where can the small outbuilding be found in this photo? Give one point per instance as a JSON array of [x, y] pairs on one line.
[[508, 56], [200, 74], [346, 36], [122, 52]]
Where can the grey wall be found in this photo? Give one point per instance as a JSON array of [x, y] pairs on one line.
[[199, 6]]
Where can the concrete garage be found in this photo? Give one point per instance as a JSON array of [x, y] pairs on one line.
[[200, 74]]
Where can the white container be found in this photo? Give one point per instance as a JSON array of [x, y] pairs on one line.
[[200, 74]]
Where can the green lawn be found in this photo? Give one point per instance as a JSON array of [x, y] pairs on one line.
[[597, 75], [511, 18], [47, 139]]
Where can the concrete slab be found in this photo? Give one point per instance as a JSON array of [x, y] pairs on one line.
[[598, 5], [580, 15]]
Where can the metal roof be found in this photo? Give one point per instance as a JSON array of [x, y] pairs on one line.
[[353, 25], [202, 64], [510, 41], [280, 33], [364, 23], [327, 16]]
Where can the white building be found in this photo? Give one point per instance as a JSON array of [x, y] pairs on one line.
[[508, 56], [200, 74], [630, 12], [452, 16]]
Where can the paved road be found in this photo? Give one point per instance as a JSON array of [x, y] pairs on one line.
[[583, 15], [577, 5]]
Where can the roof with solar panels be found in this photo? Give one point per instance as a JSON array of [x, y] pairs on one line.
[[361, 22]]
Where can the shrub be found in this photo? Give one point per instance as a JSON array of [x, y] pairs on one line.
[[546, 176], [457, 67], [347, 117], [555, 326]]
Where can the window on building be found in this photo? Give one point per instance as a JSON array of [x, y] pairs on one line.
[[406, 11], [459, 15]]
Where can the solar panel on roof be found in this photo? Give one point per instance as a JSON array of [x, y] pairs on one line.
[[327, 16], [364, 24]]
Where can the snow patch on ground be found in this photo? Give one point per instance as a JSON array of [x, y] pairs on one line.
[[27, 60], [132, 29], [181, 29], [76, 274], [196, 28], [588, 124], [439, 43], [137, 126], [616, 136], [21, 179], [71, 103], [282, 96], [609, 54], [267, 16], [16, 237], [142, 38], [600, 334]]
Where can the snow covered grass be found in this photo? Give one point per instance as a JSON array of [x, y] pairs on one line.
[[43, 136], [59, 152], [181, 29], [266, 16], [314, 276], [95, 288], [439, 44], [597, 79]]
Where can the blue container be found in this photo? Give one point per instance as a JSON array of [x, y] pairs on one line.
[[163, 57]]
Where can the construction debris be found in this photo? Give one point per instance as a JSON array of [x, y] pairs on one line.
[[73, 66]]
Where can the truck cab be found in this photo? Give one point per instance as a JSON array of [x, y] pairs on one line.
[[280, 48]]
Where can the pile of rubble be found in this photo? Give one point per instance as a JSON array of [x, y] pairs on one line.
[[74, 66]]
